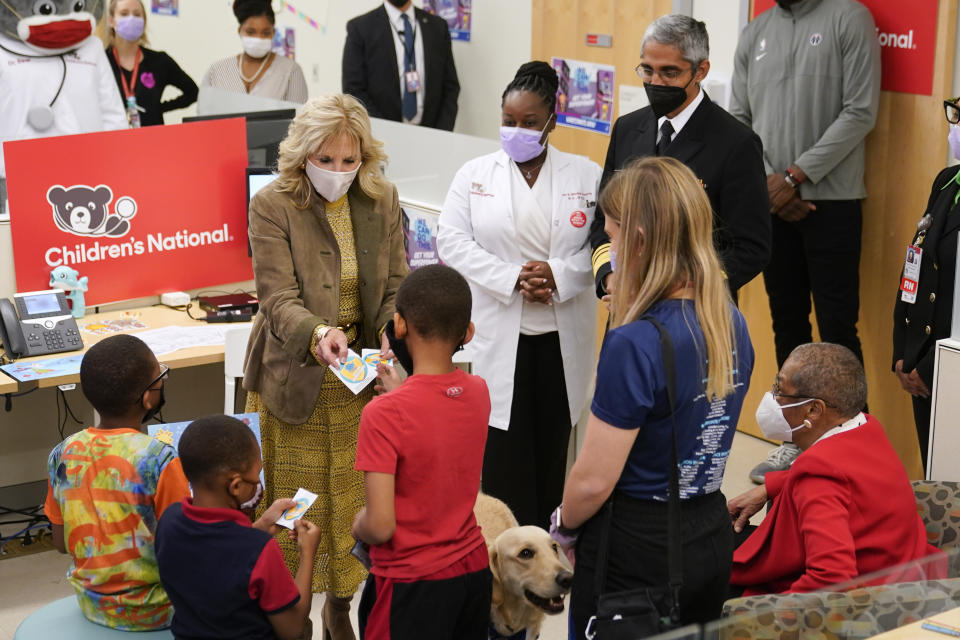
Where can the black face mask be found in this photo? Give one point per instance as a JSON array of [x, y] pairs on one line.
[[152, 413], [398, 345], [398, 4], [665, 98]]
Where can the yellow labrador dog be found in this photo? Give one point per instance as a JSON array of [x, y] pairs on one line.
[[531, 575]]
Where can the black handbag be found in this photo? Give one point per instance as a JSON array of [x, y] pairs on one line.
[[647, 611]]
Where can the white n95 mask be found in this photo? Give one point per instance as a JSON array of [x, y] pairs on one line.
[[771, 421], [256, 47], [330, 184]]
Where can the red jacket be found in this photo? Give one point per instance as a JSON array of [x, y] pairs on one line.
[[844, 509]]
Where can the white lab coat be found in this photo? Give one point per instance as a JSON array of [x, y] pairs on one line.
[[477, 236], [89, 100]]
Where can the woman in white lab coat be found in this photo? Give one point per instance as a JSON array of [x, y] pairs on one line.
[[515, 224]]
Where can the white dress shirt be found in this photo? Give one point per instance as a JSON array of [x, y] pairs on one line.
[[396, 24], [678, 121]]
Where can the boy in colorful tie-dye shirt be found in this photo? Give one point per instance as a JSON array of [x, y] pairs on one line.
[[109, 485]]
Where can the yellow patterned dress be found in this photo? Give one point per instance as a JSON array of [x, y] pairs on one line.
[[319, 454]]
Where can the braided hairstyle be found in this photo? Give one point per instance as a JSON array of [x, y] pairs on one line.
[[244, 9], [537, 77]]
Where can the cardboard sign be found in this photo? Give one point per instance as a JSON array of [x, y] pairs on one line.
[[907, 32], [137, 211]]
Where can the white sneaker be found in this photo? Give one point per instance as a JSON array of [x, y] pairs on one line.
[[779, 459]]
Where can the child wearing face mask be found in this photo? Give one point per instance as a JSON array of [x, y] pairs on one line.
[[207, 540], [108, 486]]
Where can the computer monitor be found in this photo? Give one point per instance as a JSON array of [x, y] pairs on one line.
[[257, 178], [265, 131]]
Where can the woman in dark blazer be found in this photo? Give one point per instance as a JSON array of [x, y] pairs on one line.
[[328, 257], [923, 316]]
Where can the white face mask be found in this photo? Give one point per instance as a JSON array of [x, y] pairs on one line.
[[256, 47], [770, 418], [330, 184]]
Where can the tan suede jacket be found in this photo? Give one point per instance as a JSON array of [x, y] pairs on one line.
[[296, 266]]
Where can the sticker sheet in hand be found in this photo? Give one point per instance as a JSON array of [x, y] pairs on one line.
[[358, 371], [304, 499]]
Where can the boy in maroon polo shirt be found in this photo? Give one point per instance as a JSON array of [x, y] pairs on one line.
[[421, 448], [225, 577]]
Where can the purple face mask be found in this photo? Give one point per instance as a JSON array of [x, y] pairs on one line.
[[130, 27], [522, 144], [953, 138]]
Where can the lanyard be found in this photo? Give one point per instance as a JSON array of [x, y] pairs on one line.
[[956, 179], [411, 53], [128, 88]]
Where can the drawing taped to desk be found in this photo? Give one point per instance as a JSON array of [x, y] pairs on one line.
[[40, 369], [129, 321]]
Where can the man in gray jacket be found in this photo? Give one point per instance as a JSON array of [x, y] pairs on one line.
[[807, 80]]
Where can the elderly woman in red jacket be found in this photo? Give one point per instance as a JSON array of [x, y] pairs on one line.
[[845, 508]]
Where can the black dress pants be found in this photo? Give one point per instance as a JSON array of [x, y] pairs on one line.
[[921, 416], [638, 556], [525, 465], [818, 256]]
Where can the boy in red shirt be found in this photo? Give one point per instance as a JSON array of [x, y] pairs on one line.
[[421, 448]]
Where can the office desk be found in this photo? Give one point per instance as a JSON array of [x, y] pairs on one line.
[[154, 317], [913, 631]]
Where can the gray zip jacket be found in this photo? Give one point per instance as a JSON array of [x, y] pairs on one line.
[[807, 80]]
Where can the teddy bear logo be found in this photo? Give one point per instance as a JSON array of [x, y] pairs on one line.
[[83, 210]]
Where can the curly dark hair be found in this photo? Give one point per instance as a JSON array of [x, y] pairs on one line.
[[115, 372], [244, 9], [537, 77], [213, 444]]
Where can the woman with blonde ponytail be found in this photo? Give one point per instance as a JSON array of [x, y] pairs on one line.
[[666, 268]]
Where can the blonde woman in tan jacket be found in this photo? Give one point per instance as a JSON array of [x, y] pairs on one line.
[[328, 257]]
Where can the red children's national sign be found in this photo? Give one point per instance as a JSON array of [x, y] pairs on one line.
[[139, 211], [907, 32]]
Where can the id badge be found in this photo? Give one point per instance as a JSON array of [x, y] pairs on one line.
[[911, 274], [412, 78]]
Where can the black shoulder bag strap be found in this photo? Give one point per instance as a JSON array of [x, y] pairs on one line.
[[674, 556]]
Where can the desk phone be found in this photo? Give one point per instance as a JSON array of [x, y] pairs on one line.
[[37, 323]]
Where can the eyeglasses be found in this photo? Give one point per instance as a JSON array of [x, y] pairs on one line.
[[164, 372], [668, 74], [776, 392], [951, 109]]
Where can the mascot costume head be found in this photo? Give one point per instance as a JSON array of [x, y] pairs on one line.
[[50, 27]]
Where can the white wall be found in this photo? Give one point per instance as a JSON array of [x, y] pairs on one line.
[[723, 19], [206, 31]]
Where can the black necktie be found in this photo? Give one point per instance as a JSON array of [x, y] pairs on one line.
[[409, 64], [666, 136]]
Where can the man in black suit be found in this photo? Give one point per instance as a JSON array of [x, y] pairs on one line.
[[397, 60], [682, 122]]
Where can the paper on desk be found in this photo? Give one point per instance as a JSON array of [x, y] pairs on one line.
[[170, 339], [39, 369], [356, 373], [304, 499]]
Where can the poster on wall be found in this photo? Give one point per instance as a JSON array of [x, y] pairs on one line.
[[285, 42], [585, 96], [457, 13], [165, 7], [181, 225], [420, 236], [907, 32]]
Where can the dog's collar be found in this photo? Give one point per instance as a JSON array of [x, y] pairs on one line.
[[493, 634]]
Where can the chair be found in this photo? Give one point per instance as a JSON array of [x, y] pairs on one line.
[[865, 611], [63, 619], [234, 349]]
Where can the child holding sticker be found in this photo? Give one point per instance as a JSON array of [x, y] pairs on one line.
[[421, 450], [206, 541]]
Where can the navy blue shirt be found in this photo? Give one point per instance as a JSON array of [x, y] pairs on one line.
[[631, 392], [223, 576]]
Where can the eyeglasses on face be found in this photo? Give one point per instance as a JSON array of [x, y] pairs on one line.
[[164, 372], [951, 110]]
